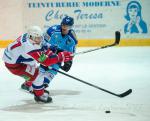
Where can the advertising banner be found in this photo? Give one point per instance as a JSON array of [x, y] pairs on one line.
[[95, 20]]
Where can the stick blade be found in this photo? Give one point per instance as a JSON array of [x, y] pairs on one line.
[[126, 93], [117, 35]]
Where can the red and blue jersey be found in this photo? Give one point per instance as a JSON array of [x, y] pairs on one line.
[[23, 51]]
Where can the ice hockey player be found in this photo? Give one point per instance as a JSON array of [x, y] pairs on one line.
[[22, 55], [60, 37]]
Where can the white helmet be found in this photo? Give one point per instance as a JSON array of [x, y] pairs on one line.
[[35, 31]]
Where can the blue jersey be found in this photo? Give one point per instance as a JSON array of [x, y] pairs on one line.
[[64, 42]]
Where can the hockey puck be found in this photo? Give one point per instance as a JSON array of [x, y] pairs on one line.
[[107, 111]]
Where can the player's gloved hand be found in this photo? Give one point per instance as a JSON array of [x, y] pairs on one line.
[[53, 48], [67, 65], [65, 56], [59, 50], [45, 45]]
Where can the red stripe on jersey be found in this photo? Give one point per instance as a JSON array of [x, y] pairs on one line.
[[17, 43]]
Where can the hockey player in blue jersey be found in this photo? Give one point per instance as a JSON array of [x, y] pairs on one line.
[[60, 37]]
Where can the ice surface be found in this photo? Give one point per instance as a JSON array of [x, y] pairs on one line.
[[116, 69]]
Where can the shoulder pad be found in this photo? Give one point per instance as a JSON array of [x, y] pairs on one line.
[[52, 29]]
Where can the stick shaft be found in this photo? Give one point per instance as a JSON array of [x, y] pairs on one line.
[[92, 85], [117, 40], [90, 50]]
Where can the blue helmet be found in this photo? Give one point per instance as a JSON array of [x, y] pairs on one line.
[[67, 21]]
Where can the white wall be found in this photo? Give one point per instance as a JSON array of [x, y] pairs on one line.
[[11, 23], [17, 15]]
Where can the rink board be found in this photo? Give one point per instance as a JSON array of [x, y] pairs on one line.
[[98, 42]]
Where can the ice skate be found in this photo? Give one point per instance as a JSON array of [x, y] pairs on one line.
[[27, 88], [45, 98]]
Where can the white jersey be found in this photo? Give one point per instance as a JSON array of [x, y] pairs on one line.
[[17, 52]]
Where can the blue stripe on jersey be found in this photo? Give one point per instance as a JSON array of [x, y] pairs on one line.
[[7, 56], [38, 87], [46, 80], [22, 59]]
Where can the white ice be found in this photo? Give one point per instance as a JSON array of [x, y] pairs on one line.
[[116, 69]]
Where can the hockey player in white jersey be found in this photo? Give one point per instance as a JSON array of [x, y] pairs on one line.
[[21, 57]]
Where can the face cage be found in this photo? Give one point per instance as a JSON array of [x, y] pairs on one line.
[[32, 40]]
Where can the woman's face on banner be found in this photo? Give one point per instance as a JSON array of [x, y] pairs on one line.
[[133, 13]]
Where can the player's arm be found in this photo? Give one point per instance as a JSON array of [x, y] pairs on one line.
[[67, 65], [48, 58], [49, 32], [47, 37]]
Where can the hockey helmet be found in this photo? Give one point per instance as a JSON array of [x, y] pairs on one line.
[[35, 31], [67, 20], [35, 34]]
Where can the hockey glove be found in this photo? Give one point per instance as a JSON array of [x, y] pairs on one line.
[[64, 56], [46, 46], [67, 65], [55, 49]]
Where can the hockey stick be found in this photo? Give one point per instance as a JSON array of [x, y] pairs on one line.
[[117, 40], [92, 85]]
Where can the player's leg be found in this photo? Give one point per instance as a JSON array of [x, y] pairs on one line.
[[29, 73], [48, 75], [40, 94]]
